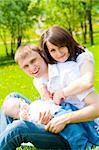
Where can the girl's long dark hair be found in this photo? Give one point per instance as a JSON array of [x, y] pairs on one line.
[[60, 37]]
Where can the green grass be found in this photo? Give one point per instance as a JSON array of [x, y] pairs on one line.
[[26, 148], [12, 78]]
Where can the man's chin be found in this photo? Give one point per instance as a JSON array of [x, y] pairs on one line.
[[36, 76]]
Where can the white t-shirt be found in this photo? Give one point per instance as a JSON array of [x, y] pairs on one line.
[[61, 75], [40, 106]]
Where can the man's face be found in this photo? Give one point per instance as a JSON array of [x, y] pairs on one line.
[[33, 64]]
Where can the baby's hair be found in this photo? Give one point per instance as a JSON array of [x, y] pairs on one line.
[[24, 50]]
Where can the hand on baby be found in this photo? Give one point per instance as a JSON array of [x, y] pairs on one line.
[[58, 97], [57, 124], [45, 117], [24, 111]]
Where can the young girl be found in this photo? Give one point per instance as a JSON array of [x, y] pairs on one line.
[[59, 46]]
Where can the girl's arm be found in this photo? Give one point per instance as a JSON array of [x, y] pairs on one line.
[[83, 83]]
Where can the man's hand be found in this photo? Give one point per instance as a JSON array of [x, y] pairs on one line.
[[45, 117], [57, 124]]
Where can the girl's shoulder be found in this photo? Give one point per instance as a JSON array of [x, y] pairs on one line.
[[87, 55]]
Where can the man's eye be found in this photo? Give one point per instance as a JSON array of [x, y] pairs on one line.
[[26, 66], [33, 60]]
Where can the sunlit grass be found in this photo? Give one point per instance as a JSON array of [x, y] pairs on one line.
[[12, 78]]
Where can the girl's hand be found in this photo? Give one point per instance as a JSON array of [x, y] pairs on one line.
[[58, 97], [45, 117], [57, 124]]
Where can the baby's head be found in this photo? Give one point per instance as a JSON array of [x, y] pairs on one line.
[[11, 107]]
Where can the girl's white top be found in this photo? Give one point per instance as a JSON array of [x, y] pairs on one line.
[[60, 75]]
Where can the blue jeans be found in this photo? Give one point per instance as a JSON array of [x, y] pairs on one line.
[[22, 131], [89, 129]]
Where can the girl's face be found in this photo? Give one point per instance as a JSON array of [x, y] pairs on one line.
[[59, 54]]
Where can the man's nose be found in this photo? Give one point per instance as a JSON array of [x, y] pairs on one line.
[[31, 68]]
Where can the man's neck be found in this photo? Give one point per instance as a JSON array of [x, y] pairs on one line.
[[45, 76]]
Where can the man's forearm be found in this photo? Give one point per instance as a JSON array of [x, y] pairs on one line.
[[87, 113]]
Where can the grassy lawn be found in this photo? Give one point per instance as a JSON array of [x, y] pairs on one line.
[[12, 78]]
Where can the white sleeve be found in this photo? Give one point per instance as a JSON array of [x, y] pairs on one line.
[[87, 55], [37, 84], [83, 95]]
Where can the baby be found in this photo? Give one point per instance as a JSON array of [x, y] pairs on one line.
[[17, 108]]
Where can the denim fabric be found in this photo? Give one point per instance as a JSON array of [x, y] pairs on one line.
[[75, 133], [21, 131], [4, 121], [17, 95], [90, 127]]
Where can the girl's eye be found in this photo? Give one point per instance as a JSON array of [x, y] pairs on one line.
[[62, 47], [52, 50]]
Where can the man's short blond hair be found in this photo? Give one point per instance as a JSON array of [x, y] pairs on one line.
[[24, 50]]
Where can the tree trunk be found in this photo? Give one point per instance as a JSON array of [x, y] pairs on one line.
[[90, 23], [3, 37], [19, 39], [5, 44], [12, 46], [85, 33], [12, 52]]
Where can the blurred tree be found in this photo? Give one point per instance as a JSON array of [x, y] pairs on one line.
[[3, 37], [62, 12], [17, 17], [71, 14]]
